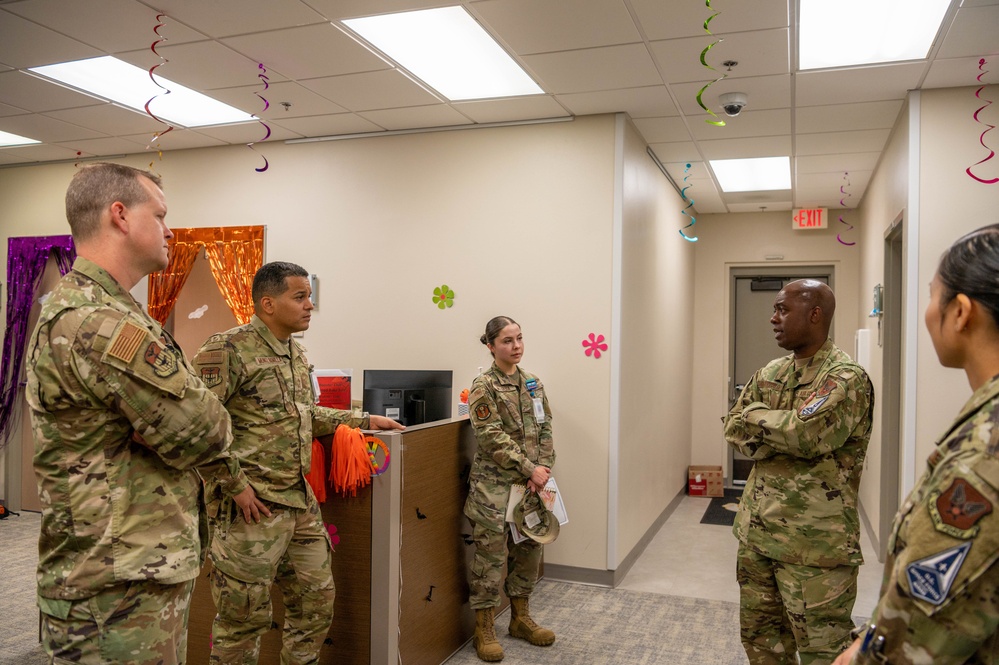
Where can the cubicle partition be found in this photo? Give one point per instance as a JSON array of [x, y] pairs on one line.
[[400, 567]]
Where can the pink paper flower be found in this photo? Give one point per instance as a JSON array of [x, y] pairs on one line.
[[594, 345]]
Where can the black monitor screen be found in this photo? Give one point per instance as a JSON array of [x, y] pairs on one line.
[[410, 396]]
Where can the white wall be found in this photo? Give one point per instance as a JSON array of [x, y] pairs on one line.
[[656, 306], [518, 221]]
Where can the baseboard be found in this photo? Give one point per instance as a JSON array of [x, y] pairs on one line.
[[612, 578]]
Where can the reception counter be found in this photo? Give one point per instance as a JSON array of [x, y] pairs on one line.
[[400, 567]]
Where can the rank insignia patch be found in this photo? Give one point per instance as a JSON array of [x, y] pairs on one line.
[[956, 510], [211, 376], [162, 359], [482, 411], [930, 579]]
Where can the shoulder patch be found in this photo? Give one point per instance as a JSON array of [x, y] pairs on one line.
[[211, 376], [128, 340], [956, 510], [812, 405], [482, 411], [163, 359], [210, 358], [930, 579]]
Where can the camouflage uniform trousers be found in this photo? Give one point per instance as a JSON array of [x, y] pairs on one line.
[[290, 548], [786, 608], [491, 548], [132, 622]]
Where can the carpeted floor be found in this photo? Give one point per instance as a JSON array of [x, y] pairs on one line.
[[18, 561], [599, 626]]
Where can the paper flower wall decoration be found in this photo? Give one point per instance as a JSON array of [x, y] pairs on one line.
[[443, 296], [594, 345]]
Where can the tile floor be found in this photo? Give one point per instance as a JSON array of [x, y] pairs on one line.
[[687, 558]]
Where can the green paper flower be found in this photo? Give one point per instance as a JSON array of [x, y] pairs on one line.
[[443, 296]]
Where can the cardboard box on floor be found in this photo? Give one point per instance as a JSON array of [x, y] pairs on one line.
[[705, 481]]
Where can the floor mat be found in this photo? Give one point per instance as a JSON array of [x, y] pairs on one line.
[[721, 510]]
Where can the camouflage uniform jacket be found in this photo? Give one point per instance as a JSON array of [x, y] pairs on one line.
[[808, 435], [940, 597], [266, 385], [510, 441], [115, 510]]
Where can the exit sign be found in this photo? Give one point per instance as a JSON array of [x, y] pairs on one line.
[[810, 218]]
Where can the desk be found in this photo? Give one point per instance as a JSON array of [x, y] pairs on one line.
[[400, 536]]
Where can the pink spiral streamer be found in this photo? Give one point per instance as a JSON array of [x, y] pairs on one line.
[[156, 137]]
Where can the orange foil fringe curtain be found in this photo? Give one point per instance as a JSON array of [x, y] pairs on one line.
[[235, 253]]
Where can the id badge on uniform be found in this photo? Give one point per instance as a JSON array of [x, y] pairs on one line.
[[539, 409]]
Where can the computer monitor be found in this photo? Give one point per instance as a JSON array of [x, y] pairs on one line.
[[410, 396]]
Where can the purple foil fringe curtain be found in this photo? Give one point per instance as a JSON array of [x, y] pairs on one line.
[[26, 259]]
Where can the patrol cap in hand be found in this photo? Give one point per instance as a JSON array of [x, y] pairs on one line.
[[534, 520]]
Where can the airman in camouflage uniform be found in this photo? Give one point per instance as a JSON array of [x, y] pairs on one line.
[[513, 428], [939, 600], [119, 421], [262, 376], [806, 420]]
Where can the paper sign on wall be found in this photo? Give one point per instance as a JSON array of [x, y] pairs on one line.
[[332, 387]]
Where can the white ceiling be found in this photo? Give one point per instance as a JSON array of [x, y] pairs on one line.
[[641, 57]]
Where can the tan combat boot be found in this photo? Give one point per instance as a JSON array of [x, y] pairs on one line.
[[487, 647], [523, 626]]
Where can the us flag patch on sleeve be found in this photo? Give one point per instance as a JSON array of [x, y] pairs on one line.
[[126, 343]]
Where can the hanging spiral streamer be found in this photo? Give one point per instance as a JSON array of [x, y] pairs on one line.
[[716, 122], [690, 204], [157, 135], [842, 203], [263, 77], [988, 128]]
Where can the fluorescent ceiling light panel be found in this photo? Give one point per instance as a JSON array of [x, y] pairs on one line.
[[117, 81], [855, 32], [7, 140], [753, 175], [448, 50]]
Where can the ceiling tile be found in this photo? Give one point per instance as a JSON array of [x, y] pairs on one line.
[[973, 33], [26, 44], [955, 72], [668, 20], [650, 101], [185, 64], [178, 139], [757, 54], [767, 146], [133, 26], [388, 88], [34, 94], [529, 26], [309, 52], [679, 151], [586, 70], [847, 162], [763, 92], [437, 115], [341, 9], [747, 124], [330, 125], [768, 206], [841, 117], [662, 130], [841, 142], [109, 119], [693, 170], [37, 153], [222, 18], [844, 86], [104, 146], [512, 109], [45, 129], [301, 101], [249, 132]]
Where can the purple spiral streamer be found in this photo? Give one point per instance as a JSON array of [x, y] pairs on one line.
[[988, 128], [842, 202], [156, 137], [263, 77]]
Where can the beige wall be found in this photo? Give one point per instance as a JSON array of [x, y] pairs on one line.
[[951, 203], [518, 221], [656, 305], [743, 240]]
